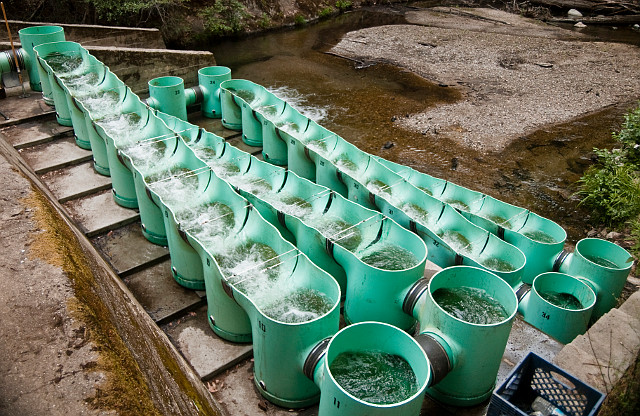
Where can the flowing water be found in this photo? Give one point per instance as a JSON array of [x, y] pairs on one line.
[[64, 63], [302, 305], [207, 222], [388, 257], [601, 261], [337, 230], [458, 242], [470, 304], [176, 185], [375, 377], [539, 236], [562, 300], [497, 264], [538, 171]]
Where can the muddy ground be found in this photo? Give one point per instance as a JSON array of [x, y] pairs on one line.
[[517, 75], [45, 360]]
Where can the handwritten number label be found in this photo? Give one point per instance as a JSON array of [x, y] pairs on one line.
[[545, 316], [262, 327]]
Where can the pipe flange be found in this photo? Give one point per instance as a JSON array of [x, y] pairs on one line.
[[314, 357], [559, 260], [522, 291], [438, 357], [413, 295]]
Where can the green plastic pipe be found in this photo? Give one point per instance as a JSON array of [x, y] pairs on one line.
[[375, 292], [280, 348], [562, 323], [239, 98], [225, 316], [601, 264], [274, 148], [167, 94], [465, 357], [362, 338], [71, 49], [30, 37], [209, 80]]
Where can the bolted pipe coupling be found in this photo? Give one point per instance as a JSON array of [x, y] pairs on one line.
[[413, 295], [314, 357], [438, 357]]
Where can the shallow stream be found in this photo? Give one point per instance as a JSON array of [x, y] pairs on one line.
[[360, 100]]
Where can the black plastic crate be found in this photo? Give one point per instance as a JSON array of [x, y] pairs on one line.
[[534, 376]]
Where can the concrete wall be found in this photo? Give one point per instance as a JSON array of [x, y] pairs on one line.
[[135, 67], [93, 35]]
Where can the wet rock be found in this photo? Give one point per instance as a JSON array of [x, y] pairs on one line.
[[592, 233], [388, 145], [580, 25], [613, 235], [636, 27], [454, 163], [574, 13]]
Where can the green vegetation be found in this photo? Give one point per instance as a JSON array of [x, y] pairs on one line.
[[300, 20], [133, 10], [326, 12], [224, 17], [343, 5], [611, 188]]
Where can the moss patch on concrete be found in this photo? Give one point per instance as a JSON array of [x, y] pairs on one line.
[[125, 389]]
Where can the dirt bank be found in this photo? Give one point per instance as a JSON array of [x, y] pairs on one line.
[[46, 362], [517, 75]]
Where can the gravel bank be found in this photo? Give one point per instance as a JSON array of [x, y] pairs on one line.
[[512, 84]]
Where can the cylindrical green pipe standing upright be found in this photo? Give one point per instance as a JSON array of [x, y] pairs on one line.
[[559, 305], [471, 342], [209, 79], [372, 343], [167, 95], [380, 271], [31, 37], [69, 56], [603, 265]]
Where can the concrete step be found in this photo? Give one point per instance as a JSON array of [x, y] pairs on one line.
[[58, 154], [602, 355], [37, 132], [160, 295], [207, 353], [19, 110], [97, 214], [128, 251], [76, 182]]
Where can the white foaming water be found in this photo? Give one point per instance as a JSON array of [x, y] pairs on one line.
[[288, 203], [301, 305], [414, 212], [336, 230], [124, 129], [256, 269], [250, 183], [210, 223], [457, 242], [102, 104], [300, 103], [174, 185]]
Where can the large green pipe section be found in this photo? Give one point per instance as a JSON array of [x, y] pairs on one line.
[[30, 37], [239, 100], [60, 59], [559, 305], [365, 338], [464, 356], [602, 265], [539, 238], [304, 213], [168, 94]]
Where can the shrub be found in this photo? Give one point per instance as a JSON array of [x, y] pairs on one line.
[[224, 17], [629, 136], [326, 12], [343, 5]]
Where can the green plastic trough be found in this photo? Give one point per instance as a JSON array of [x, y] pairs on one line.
[[559, 305], [33, 36], [465, 356]]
